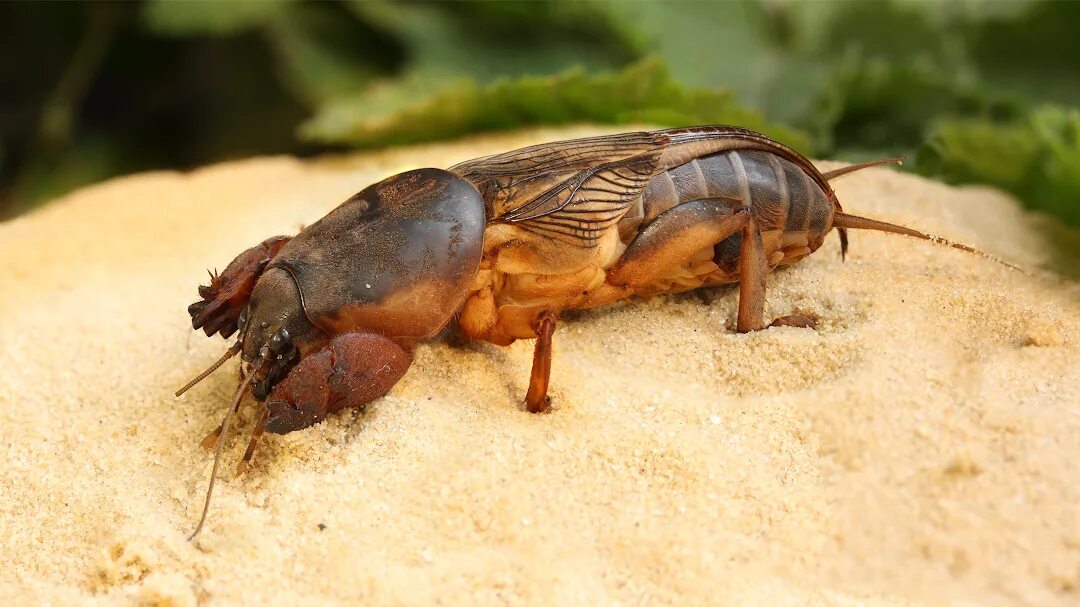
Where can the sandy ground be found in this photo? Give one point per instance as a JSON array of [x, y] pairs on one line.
[[921, 447]]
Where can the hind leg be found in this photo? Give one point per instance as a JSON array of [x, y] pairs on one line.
[[228, 293], [682, 231], [674, 237], [753, 267]]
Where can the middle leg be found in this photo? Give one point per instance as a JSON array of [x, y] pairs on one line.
[[536, 399]]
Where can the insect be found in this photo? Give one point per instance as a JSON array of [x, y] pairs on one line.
[[329, 318]]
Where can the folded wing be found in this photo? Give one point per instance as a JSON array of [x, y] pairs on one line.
[[570, 191]]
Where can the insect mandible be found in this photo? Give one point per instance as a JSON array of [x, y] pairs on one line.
[[329, 318]]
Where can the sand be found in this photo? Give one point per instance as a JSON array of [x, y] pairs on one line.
[[921, 447]]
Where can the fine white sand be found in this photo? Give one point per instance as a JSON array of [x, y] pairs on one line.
[[921, 447]]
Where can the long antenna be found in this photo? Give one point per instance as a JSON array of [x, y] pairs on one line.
[[244, 382], [231, 352]]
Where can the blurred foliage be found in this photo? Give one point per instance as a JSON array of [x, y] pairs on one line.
[[986, 91], [643, 92], [1037, 159]]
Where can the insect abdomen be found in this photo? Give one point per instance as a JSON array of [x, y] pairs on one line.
[[781, 196]]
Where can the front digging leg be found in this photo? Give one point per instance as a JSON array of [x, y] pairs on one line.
[[228, 293], [352, 370]]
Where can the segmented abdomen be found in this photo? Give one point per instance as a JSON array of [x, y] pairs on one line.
[[781, 195]]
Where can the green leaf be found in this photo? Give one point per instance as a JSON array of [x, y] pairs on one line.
[[644, 92], [453, 51], [219, 18], [1036, 158], [705, 44]]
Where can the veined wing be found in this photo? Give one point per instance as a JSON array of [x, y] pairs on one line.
[[570, 191]]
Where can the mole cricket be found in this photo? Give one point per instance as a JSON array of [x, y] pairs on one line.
[[329, 318]]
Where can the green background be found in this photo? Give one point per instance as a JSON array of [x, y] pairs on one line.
[[971, 91]]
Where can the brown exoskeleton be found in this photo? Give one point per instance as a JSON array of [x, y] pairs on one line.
[[329, 318]]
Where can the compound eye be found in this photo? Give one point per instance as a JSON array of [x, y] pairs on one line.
[[280, 342]]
